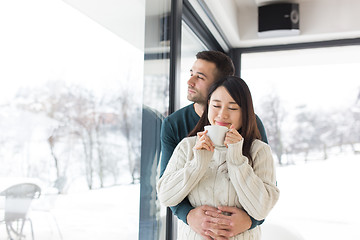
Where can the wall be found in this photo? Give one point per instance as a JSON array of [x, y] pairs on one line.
[[319, 20], [110, 14]]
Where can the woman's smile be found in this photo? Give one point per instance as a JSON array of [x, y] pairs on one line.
[[223, 110], [222, 124]]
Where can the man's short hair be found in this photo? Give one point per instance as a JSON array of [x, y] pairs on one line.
[[223, 62]]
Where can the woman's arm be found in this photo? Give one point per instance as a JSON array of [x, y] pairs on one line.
[[255, 186], [185, 169]]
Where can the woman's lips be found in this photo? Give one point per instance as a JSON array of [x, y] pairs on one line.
[[222, 123]]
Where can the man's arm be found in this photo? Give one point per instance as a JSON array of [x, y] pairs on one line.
[[261, 129], [168, 144]]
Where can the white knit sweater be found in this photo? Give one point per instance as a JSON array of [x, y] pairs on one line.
[[222, 177]]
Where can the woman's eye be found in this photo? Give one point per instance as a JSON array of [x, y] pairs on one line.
[[233, 108], [215, 106]]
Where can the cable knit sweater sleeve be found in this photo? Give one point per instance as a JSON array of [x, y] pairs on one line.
[[185, 169], [255, 186]]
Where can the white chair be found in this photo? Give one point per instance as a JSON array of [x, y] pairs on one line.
[[17, 203]]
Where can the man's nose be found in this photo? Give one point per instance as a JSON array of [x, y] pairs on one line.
[[191, 81]]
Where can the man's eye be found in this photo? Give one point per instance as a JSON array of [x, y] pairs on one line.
[[200, 77]]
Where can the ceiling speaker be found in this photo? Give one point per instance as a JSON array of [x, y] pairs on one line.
[[278, 19]]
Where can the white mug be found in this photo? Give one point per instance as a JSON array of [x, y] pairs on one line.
[[217, 134]]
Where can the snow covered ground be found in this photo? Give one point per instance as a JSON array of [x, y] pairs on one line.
[[110, 213], [319, 200]]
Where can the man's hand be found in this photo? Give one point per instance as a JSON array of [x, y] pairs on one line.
[[229, 221], [212, 223], [197, 219]]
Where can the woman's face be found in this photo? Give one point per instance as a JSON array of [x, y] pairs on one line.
[[223, 110]]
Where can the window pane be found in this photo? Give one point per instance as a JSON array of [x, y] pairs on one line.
[[309, 102], [190, 45], [70, 119], [155, 107]]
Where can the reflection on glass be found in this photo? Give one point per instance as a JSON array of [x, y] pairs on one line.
[[309, 101], [70, 120], [154, 107]]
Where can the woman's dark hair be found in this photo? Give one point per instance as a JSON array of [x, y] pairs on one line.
[[239, 91]]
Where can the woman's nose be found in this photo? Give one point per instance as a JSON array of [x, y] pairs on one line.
[[223, 113]]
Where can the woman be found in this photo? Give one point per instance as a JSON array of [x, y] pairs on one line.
[[242, 174]]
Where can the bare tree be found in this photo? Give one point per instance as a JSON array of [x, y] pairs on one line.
[[272, 114], [51, 101], [92, 121], [130, 126]]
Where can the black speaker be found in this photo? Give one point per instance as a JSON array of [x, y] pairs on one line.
[[278, 19]]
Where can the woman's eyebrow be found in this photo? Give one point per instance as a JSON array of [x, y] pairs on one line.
[[217, 100]]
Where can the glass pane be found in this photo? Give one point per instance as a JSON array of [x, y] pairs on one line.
[[155, 107], [190, 45], [309, 102], [70, 119]]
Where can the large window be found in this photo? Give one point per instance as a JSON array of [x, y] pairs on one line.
[[190, 46], [309, 102], [71, 118]]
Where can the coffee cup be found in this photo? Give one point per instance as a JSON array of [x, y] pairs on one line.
[[217, 134]]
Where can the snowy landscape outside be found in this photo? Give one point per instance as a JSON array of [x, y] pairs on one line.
[[319, 200]]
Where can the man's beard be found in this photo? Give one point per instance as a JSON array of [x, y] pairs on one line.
[[196, 98]]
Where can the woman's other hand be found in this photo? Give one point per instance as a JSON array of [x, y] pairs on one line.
[[203, 142], [232, 136]]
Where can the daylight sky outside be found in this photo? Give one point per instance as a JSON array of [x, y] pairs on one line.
[[325, 78]]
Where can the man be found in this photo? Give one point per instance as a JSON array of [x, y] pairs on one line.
[[205, 220]]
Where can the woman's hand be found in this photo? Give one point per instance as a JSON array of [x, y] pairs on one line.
[[232, 136], [203, 142]]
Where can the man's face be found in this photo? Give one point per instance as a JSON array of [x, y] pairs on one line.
[[202, 75]]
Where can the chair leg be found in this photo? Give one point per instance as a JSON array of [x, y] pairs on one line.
[[57, 226], [17, 232], [32, 230], [21, 229]]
